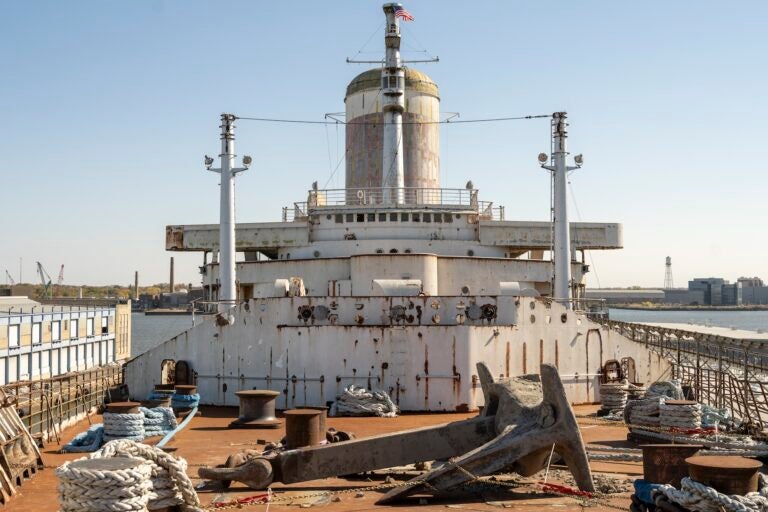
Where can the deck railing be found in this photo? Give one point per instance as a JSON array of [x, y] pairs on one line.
[[439, 198], [723, 372], [49, 405]]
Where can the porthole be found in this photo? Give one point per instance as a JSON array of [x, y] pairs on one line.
[[407, 251], [328, 216], [379, 251], [316, 254], [564, 317], [470, 252], [393, 251], [533, 319]]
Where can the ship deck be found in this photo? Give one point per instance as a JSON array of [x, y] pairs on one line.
[[207, 441]]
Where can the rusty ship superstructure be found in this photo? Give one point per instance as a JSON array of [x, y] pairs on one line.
[[393, 282]]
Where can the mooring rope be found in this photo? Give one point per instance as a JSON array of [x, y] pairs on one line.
[[87, 490], [158, 421], [697, 496], [185, 401], [123, 426], [169, 483]]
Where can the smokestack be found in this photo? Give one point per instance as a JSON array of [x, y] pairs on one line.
[[171, 274], [136, 286], [393, 105]]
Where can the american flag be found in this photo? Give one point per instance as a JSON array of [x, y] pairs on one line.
[[401, 13]]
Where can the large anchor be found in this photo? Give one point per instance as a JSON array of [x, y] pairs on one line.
[[523, 419]]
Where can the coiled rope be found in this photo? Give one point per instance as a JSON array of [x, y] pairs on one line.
[[158, 421], [90, 490], [613, 396], [123, 426], [697, 496], [185, 401], [169, 483], [357, 401], [680, 415]]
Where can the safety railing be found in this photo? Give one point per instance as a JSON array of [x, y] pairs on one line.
[[49, 405], [720, 371], [458, 198]]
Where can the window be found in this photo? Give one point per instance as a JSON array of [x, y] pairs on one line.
[[438, 217], [448, 218], [382, 217], [339, 218], [73, 334], [427, 217], [56, 331], [104, 325], [350, 217], [416, 217], [403, 217], [360, 217], [89, 326], [37, 331], [371, 217], [13, 336], [392, 217]]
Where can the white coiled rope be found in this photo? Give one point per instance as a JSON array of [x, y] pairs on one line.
[[701, 498], [169, 483], [357, 401], [89, 490], [158, 421], [680, 416], [613, 396], [123, 426]]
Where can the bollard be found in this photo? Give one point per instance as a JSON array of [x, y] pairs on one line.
[[727, 474], [257, 409], [302, 428], [185, 389], [323, 417], [665, 463], [123, 407]]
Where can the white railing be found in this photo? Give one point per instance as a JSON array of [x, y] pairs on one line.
[[454, 198]]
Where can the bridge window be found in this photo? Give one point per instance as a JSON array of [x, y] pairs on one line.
[[427, 217], [392, 217], [339, 218], [382, 217], [350, 217], [371, 217], [416, 217], [448, 217], [438, 217], [360, 217], [403, 217]]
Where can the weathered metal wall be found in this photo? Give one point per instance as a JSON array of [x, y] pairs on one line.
[[422, 350]]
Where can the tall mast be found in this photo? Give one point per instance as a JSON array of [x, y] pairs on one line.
[[561, 230], [393, 105], [227, 290]]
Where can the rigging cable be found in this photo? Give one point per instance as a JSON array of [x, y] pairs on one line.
[[447, 121], [578, 214]]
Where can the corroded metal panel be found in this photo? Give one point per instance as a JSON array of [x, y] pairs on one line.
[[538, 235], [255, 236]]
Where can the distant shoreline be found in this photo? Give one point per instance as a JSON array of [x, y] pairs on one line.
[[673, 307]]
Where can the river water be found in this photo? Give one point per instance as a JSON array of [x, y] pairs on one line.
[[748, 320], [151, 330]]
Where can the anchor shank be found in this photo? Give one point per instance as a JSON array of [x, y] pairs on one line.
[[384, 451]]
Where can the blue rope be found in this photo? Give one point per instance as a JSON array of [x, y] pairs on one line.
[[185, 401], [123, 426], [88, 441], [158, 421]]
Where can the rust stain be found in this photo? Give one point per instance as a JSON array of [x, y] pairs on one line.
[[541, 352], [506, 361], [557, 355], [525, 358]]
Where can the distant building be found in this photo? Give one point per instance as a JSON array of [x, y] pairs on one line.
[[684, 297], [623, 296], [717, 291], [43, 340], [753, 290]]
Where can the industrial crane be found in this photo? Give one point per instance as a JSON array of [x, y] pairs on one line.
[[59, 281], [8, 278], [45, 279]]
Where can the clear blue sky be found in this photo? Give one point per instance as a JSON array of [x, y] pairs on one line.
[[106, 109]]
